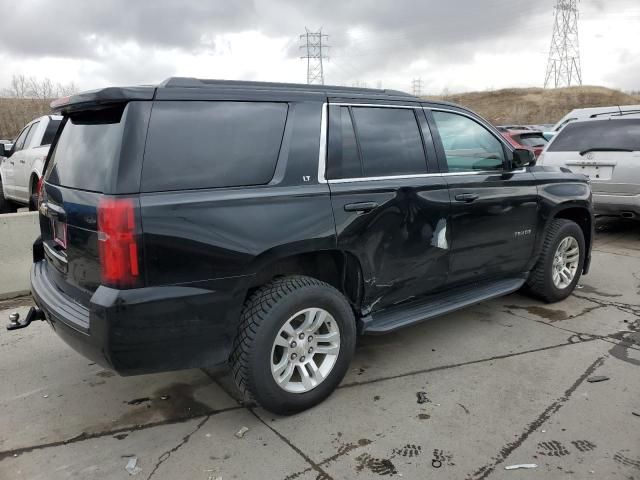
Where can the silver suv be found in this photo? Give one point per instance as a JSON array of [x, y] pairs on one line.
[[608, 152]]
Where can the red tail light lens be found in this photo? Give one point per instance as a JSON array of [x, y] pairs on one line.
[[39, 192], [117, 243]]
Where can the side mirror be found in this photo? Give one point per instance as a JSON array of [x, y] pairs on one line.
[[522, 158], [5, 149]]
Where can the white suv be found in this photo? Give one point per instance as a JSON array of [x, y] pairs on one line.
[[608, 152], [21, 162]]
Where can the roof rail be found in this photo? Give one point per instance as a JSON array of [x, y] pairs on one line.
[[616, 114], [190, 82]]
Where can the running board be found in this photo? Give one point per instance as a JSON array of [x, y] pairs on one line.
[[418, 310]]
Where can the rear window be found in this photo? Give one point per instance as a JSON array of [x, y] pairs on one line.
[[532, 140], [604, 134], [87, 148], [50, 132], [197, 144]]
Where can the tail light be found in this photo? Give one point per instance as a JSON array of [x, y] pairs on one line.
[[117, 242], [39, 192]]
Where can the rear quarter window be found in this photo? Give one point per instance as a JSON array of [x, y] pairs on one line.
[[210, 144], [604, 134]]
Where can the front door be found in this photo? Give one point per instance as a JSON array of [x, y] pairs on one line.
[[390, 212], [493, 209]]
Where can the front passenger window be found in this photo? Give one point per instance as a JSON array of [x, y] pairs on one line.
[[468, 145]]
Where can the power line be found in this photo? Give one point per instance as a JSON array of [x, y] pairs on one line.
[[563, 65], [416, 85], [314, 44]]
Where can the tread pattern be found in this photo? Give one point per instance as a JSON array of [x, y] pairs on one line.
[[255, 309], [537, 281]]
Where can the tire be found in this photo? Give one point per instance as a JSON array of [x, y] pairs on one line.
[[541, 283], [5, 205], [264, 317]]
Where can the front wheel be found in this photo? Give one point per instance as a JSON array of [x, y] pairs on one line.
[[560, 263], [294, 345]]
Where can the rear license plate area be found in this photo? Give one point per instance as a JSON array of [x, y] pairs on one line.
[[594, 172]]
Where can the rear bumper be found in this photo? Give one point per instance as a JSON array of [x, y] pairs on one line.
[[148, 329], [611, 204]]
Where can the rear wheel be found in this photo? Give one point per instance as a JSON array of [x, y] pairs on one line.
[[560, 263], [5, 205], [294, 345]]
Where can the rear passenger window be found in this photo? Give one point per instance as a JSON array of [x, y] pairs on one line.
[[468, 145], [390, 141], [212, 144]]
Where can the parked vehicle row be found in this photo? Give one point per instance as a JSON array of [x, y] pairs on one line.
[[263, 226], [21, 162]]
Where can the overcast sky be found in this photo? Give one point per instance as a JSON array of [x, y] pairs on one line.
[[457, 45]]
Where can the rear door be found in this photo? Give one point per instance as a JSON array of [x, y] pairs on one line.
[[391, 207], [607, 151], [493, 210]]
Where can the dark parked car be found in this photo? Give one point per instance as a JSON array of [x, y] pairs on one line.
[[205, 223]]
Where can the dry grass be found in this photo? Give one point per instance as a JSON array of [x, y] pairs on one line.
[[16, 112], [537, 105]]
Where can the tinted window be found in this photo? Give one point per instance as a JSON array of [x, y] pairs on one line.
[[32, 132], [580, 136], [50, 132], [390, 142], [468, 145], [87, 148], [19, 143], [212, 144], [344, 161], [532, 140]]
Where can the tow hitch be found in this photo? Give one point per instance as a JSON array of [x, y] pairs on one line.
[[32, 315]]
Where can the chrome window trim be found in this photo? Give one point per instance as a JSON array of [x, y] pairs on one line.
[[322, 154], [322, 160]]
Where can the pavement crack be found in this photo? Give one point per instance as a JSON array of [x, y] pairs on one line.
[[106, 433], [484, 471], [315, 466], [165, 456], [462, 364]]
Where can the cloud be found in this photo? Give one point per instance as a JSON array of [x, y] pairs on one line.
[[459, 44]]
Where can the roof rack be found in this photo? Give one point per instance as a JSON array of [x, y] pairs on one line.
[[617, 113], [190, 82]]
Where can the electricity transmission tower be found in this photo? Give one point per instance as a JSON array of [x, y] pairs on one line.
[[314, 43], [416, 85], [563, 65]]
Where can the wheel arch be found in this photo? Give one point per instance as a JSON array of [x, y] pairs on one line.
[[338, 268], [581, 214]]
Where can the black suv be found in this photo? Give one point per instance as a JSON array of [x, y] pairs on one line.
[[202, 223]]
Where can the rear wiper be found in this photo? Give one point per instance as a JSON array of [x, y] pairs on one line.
[[604, 149]]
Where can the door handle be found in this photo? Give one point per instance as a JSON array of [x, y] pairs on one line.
[[21, 161], [467, 197], [360, 207]]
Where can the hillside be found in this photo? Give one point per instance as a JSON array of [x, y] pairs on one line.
[[16, 112], [537, 105]]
